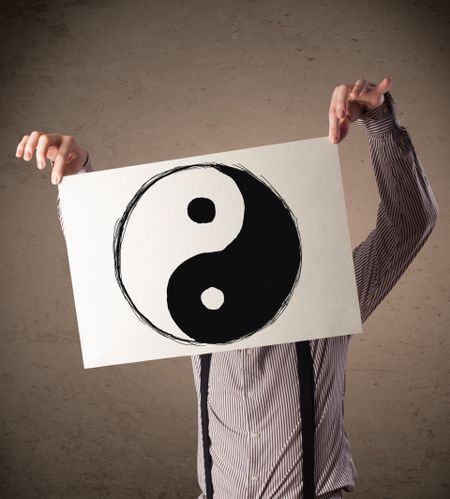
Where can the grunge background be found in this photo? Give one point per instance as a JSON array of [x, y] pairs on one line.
[[142, 81]]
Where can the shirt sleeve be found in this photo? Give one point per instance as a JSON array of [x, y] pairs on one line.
[[406, 214], [87, 167]]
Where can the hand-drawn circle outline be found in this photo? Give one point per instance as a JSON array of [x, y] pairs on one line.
[[121, 225]]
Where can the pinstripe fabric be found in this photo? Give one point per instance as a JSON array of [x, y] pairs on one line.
[[253, 398], [254, 414]]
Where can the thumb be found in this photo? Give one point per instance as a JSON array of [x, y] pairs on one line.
[[384, 85]]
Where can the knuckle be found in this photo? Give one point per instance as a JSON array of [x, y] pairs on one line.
[[43, 139], [69, 139]]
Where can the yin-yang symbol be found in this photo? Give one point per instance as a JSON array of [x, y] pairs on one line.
[[207, 253]]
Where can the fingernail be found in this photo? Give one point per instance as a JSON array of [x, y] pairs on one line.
[[41, 164], [54, 182], [27, 155]]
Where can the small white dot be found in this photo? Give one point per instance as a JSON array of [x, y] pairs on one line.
[[212, 298]]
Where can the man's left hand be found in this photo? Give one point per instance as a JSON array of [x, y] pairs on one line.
[[350, 102]]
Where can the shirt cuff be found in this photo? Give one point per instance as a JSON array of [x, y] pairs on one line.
[[382, 119], [87, 167]]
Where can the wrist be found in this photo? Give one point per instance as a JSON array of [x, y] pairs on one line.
[[381, 119], [87, 166]]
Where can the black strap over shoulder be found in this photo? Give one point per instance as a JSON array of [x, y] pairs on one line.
[[205, 363], [306, 382]]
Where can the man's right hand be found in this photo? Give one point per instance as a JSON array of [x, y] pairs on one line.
[[63, 150]]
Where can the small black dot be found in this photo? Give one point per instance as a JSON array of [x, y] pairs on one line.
[[201, 210]]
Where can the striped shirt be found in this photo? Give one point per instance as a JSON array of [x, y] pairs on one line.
[[253, 405], [253, 397]]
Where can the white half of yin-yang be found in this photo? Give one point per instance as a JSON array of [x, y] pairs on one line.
[[160, 236]]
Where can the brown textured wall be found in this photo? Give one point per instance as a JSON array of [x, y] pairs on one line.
[[137, 82]]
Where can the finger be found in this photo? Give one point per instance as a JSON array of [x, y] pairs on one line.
[[21, 146], [61, 156], [30, 145], [333, 120], [342, 93], [45, 141], [359, 88], [384, 85], [344, 127], [374, 96], [333, 127]]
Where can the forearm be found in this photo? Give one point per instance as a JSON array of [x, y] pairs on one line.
[[405, 192], [406, 214]]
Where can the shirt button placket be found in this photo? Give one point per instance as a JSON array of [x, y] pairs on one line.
[[253, 474], [246, 375]]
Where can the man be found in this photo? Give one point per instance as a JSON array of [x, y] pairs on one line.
[[271, 418]]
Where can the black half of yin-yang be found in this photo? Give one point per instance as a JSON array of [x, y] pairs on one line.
[[256, 272]]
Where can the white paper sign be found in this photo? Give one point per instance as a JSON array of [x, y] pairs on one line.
[[217, 252]]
